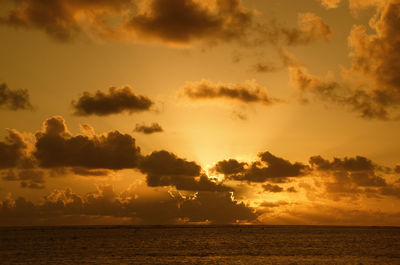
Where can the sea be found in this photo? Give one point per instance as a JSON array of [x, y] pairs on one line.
[[200, 245]]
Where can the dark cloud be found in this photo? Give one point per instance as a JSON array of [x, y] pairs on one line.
[[217, 208], [13, 150], [272, 188], [64, 19], [56, 147], [274, 204], [29, 178], [291, 190], [352, 177], [17, 99], [166, 169], [359, 171], [246, 93], [114, 101], [173, 21], [264, 68], [182, 21], [177, 22], [230, 167], [90, 172], [209, 207], [359, 163], [270, 168], [148, 129]]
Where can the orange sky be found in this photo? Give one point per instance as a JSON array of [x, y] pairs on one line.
[[187, 111]]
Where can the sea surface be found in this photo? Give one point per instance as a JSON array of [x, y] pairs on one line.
[[200, 245]]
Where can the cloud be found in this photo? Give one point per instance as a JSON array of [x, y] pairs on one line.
[[56, 147], [17, 99], [371, 86], [63, 20], [375, 59], [13, 150], [173, 21], [359, 163], [148, 129], [328, 90], [264, 68], [183, 21], [311, 28], [114, 101], [90, 172], [329, 4], [272, 188], [131, 205], [269, 168], [319, 214], [29, 178], [352, 177], [163, 168], [247, 93]]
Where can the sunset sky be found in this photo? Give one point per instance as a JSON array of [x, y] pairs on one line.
[[192, 112]]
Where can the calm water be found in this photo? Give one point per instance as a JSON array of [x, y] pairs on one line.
[[200, 245]]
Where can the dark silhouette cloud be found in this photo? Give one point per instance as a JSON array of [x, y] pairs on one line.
[[13, 150], [230, 167], [272, 188], [246, 93], [182, 21], [264, 68], [213, 207], [29, 178], [352, 177], [59, 18], [173, 21], [56, 147], [359, 163], [114, 101], [270, 168], [90, 172], [14, 99], [148, 129], [163, 168]]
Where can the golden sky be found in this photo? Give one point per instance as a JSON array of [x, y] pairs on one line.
[[189, 111]]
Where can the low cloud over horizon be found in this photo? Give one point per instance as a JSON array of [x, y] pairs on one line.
[[96, 156]]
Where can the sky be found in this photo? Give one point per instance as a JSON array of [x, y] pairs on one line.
[[199, 112]]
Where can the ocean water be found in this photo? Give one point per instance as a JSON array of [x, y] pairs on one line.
[[200, 245]]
